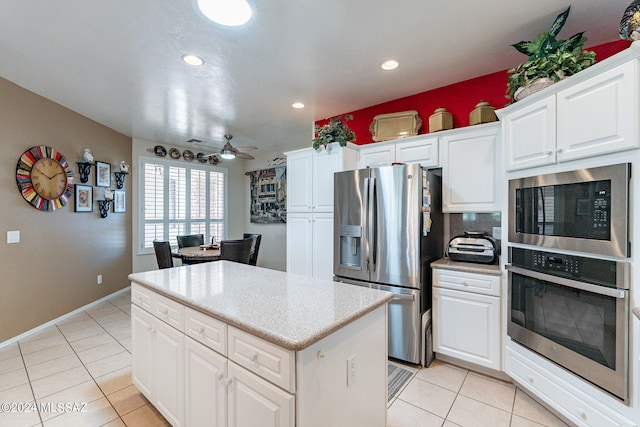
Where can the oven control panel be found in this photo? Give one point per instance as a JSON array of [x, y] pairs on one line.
[[543, 261], [592, 270]]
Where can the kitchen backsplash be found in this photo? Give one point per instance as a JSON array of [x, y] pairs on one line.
[[461, 222]]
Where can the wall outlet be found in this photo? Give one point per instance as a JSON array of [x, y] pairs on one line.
[[13, 236], [497, 233], [99, 279], [351, 370]]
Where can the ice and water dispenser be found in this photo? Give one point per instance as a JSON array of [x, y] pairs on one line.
[[350, 246]]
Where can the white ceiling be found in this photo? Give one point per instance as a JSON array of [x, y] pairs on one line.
[[119, 63]]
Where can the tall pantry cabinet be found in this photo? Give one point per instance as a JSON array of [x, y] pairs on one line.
[[310, 207]]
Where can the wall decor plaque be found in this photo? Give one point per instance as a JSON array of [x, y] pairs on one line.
[[395, 125]]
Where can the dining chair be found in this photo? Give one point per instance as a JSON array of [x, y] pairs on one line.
[[163, 254], [190, 240], [236, 250], [255, 246]]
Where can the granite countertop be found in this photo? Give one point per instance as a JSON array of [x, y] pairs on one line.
[[289, 310], [469, 267]]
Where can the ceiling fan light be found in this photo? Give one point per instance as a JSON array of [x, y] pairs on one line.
[[231, 13], [227, 152]]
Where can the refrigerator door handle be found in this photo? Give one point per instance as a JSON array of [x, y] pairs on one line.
[[372, 237], [366, 219]]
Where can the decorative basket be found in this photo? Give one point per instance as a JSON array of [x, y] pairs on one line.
[[535, 86]]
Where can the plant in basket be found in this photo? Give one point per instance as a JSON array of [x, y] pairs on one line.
[[550, 60], [334, 131]]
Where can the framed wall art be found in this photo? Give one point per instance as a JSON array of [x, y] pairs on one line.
[[103, 174], [83, 198], [268, 189], [120, 201]]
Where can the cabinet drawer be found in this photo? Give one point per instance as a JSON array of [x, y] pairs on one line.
[[578, 407], [269, 361], [207, 330], [471, 282], [169, 311], [142, 297]]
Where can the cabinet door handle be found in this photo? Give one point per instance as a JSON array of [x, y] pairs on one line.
[[220, 377], [201, 331], [164, 311], [227, 382], [530, 378], [254, 357], [582, 414], [548, 152], [559, 150]]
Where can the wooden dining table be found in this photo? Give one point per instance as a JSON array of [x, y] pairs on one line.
[[197, 254]]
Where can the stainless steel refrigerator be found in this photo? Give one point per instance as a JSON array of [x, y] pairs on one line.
[[388, 229]]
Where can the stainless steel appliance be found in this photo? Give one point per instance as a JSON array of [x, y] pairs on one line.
[[473, 247], [583, 210], [574, 311], [388, 229]]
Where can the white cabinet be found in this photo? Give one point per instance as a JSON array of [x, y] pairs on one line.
[[377, 154], [158, 364], [466, 325], [310, 176], [309, 204], [255, 402], [534, 374], [584, 117], [300, 244], [421, 149], [310, 244], [205, 386], [530, 135], [469, 170], [599, 115]]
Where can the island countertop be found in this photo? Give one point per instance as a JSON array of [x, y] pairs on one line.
[[289, 310]]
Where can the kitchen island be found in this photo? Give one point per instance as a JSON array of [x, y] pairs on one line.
[[227, 344]]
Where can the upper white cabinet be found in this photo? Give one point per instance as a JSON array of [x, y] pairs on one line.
[[469, 169], [421, 149], [599, 115], [530, 134], [310, 176], [588, 115]]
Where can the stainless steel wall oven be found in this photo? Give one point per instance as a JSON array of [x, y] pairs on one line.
[[584, 210], [574, 311]]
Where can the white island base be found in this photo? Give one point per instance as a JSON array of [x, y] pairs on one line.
[[202, 367]]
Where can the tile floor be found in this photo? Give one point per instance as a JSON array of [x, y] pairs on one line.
[[84, 362]]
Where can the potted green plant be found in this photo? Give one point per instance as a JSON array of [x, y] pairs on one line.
[[334, 131], [550, 60]]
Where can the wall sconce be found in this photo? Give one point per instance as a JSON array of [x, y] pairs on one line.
[[120, 179], [84, 170], [104, 206]]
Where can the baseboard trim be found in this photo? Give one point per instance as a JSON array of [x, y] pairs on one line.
[[58, 319]]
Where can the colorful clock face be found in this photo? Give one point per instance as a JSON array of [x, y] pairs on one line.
[[44, 178]]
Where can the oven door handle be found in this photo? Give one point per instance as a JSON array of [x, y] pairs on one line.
[[596, 289]]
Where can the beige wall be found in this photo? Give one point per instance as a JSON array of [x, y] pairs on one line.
[[53, 269], [273, 246]]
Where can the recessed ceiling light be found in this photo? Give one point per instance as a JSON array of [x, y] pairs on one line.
[[391, 64], [231, 13], [192, 59], [297, 105]]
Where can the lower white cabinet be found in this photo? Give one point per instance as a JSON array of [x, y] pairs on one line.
[[205, 386], [158, 364], [466, 325], [255, 402], [310, 244]]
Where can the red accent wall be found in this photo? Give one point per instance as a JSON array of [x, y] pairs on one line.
[[459, 98]]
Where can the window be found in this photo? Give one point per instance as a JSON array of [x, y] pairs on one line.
[[180, 199]]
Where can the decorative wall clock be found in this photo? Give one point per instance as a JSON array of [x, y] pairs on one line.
[[44, 178]]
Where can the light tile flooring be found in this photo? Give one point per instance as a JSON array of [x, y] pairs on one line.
[[85, 360], [448, 396]]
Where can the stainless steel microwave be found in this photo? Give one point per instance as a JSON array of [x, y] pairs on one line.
[[585, 210]]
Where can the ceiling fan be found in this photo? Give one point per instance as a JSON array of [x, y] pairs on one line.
[[229, 152]]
